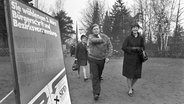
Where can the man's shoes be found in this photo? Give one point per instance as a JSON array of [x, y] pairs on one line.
[[101, 78], [85, 79], [96, 97]]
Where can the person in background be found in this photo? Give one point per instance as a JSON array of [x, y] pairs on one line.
[[72, 50], [81, 56], [132, 64], [99, 51]]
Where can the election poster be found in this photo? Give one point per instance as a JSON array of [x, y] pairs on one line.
[[36, 54]]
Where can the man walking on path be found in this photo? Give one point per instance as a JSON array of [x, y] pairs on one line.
[[99, 51]]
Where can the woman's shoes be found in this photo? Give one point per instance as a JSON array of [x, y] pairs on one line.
[[131, 93]]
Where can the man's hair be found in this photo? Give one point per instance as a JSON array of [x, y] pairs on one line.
[[94, 25]]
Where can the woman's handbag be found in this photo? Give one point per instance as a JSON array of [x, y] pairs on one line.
[[144, 56], [75, 65]]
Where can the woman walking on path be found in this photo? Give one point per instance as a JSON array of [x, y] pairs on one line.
[[81, 56], [132, 64], [99, 51]]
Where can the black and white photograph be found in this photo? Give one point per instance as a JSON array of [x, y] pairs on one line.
[[91, 52]]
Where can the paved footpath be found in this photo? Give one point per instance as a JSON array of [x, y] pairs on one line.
[[162, 83]]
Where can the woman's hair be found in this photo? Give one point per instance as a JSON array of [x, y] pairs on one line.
[[135, 25], [137, 33], [83, 36]]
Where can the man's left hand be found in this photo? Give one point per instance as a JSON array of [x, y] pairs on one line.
[[107, 60]]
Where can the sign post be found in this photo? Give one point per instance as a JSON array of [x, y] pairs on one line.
[[36, 54]]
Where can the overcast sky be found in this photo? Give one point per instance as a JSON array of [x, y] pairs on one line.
[[74, 7]]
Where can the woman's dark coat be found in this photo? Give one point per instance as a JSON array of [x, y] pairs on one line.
[[132, 64], [81, 53]]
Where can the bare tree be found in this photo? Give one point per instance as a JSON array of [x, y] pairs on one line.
[[168, 29], [180, 11], [59, 5], [88, 13], [157, 16], [144, 8], [52, 10], [159, 8]]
